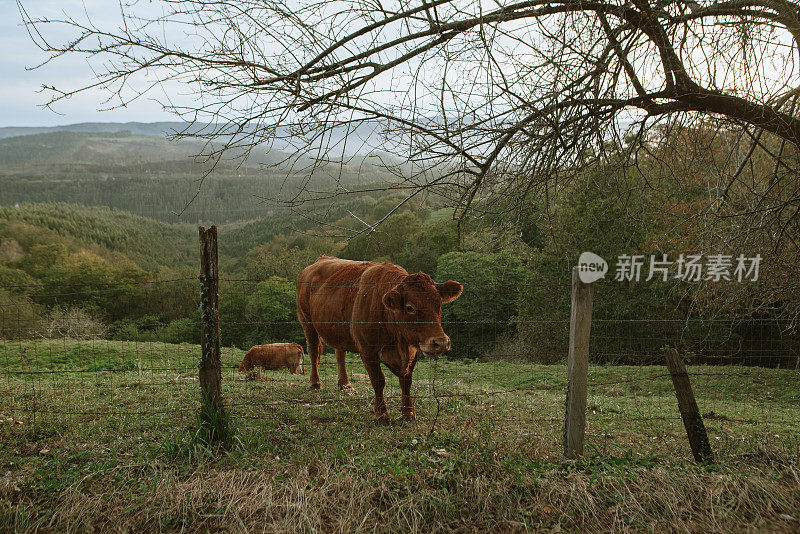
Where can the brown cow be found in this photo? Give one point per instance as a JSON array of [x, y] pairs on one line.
[[377, 310], [274, 357]]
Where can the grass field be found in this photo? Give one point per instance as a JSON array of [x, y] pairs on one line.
[[102, 435]]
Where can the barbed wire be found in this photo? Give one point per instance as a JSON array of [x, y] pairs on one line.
[[332, 364], [317, 403], [131, 283]]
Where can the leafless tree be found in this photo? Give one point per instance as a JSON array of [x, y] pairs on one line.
[[485, 101]]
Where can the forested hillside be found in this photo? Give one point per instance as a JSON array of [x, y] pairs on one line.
[[80, 268], [70, 243], [156, 178], [146, 242], [107, 149]]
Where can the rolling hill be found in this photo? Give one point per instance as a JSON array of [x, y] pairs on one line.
[[155, 129], [108, 232], [156, 178], [111, 149]]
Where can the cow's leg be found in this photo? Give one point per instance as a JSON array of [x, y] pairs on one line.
[[406, 403], [344, 380], [314, 348], [373, 366]]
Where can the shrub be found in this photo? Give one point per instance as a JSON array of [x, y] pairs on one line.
[[20, 317], [186, 330], [252, 314], [73, 323], [483, 313], [17, 280]]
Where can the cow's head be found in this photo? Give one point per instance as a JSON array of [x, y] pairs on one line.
[[416, 306]]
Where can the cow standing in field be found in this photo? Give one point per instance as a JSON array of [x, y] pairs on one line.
[[274, 357], [377, 310]]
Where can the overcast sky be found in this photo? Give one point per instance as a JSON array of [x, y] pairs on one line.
[[20, 101]]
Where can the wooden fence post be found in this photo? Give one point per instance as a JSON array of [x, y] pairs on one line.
[[211, 411], [580, 323], [692, 420]]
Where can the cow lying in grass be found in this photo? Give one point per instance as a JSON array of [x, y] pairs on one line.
[[377, 310], [274, 357]]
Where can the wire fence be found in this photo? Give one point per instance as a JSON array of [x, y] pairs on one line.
[[141, 377]]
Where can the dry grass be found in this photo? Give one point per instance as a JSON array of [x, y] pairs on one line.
[[319, 497]]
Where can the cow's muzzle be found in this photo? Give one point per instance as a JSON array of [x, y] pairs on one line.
[[436, 345]]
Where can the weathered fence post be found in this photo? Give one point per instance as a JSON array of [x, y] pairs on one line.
[[211, 411], [580, 323], [692, 420]]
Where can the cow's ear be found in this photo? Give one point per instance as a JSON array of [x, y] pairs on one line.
[[392, 299], [449, 291]]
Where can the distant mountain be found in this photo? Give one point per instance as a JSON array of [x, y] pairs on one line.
[[157, 129], [157, 178], [106, 148], [352, 140]]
